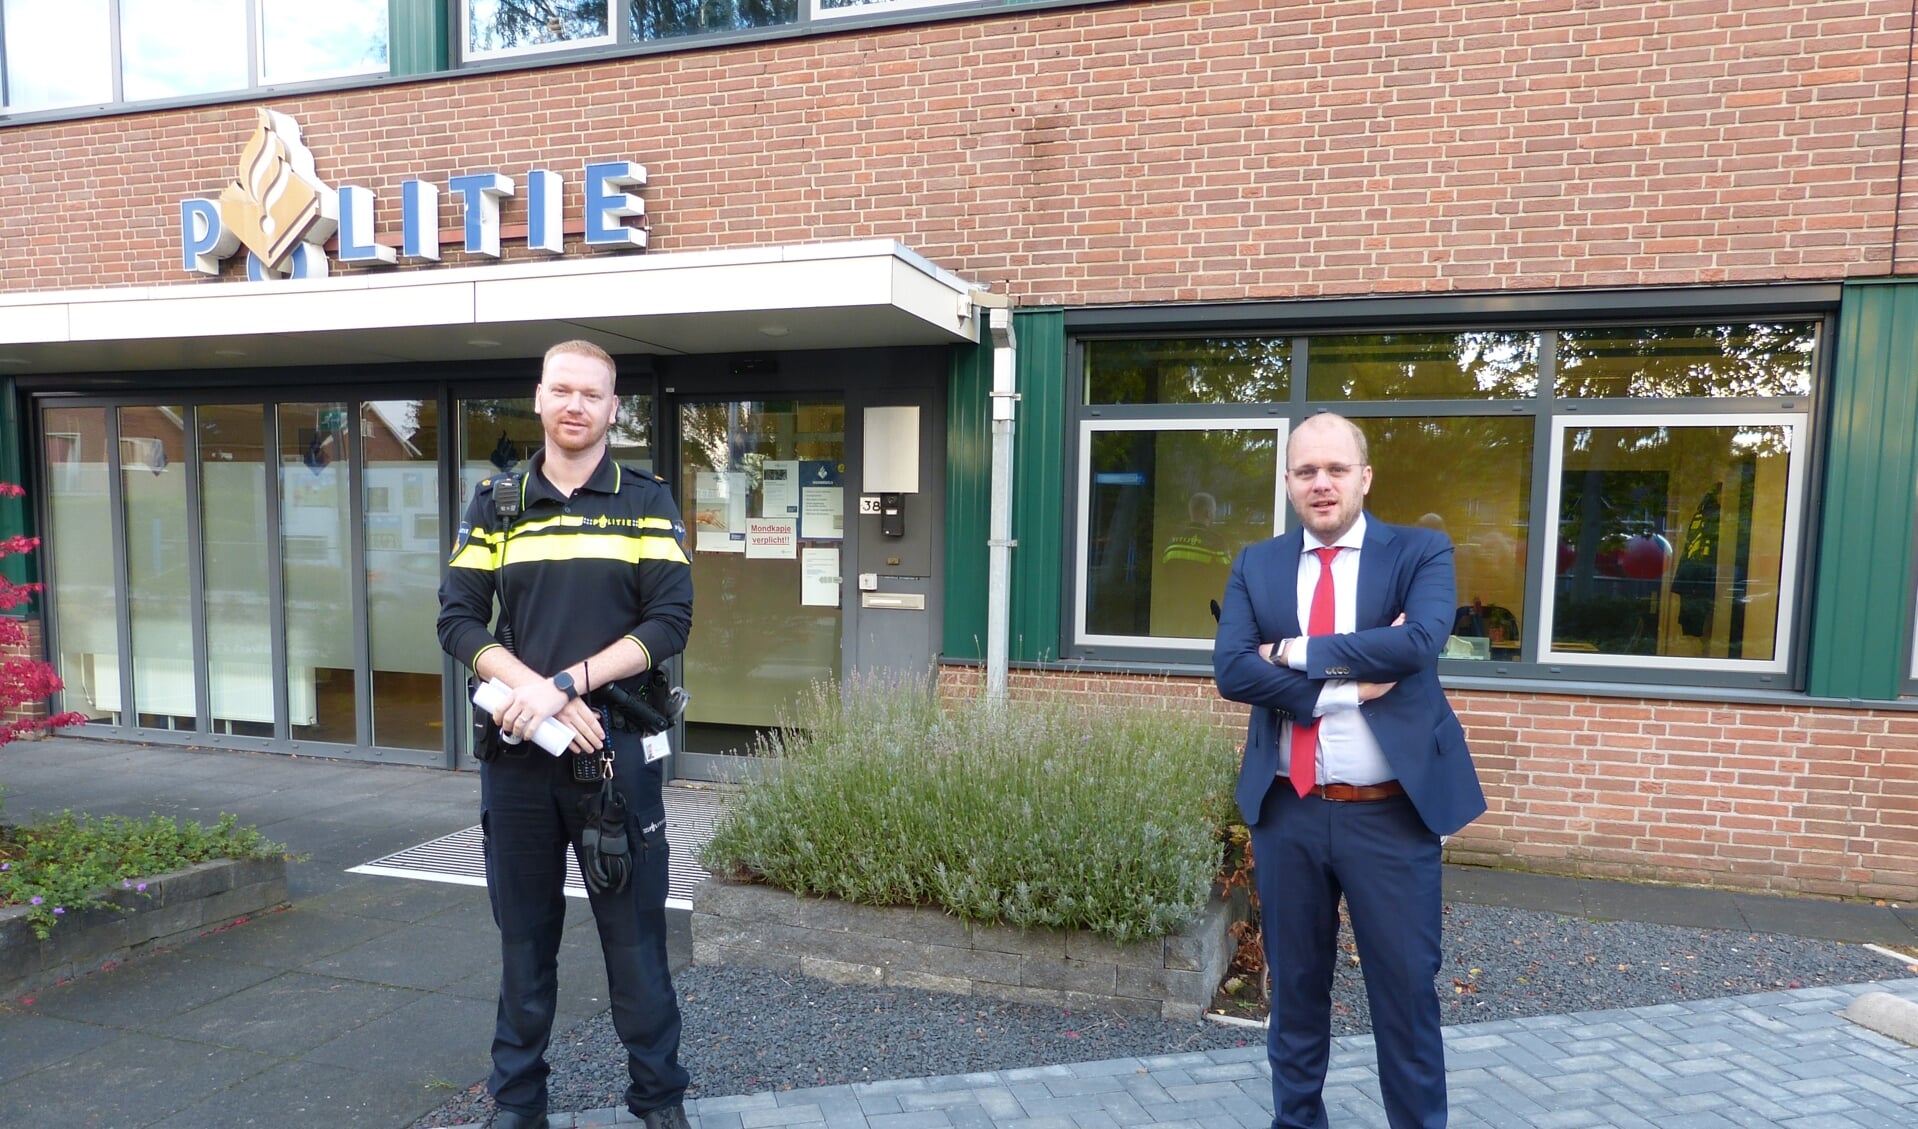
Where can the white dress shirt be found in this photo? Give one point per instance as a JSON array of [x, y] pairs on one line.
[[1348, 753]]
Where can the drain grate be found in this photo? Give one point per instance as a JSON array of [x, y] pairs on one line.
[[690, 816]]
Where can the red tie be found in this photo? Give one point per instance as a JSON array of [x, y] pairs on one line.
[[1324, 621]]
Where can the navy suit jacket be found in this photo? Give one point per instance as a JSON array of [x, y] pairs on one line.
[[1402, 569]]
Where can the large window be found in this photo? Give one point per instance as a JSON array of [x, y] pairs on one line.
[[1671, 461], [60, 53], [494, 29]]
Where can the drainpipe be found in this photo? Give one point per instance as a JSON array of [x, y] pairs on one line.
[[999, 544]]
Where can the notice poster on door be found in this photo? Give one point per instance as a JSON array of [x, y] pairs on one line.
[[719, 512], [822, 502], [771, 538], [819, 576], [779, 488]]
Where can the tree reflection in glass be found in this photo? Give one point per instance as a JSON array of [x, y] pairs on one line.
[[1687, 360]]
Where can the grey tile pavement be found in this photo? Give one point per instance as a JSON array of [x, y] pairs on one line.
[[368, 1001], [1785, 1059]]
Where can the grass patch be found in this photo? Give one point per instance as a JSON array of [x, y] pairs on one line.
[[1033, 814], [69, 862]]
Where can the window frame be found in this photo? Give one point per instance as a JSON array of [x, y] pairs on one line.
[[257, 81], [1544, 313], [1111, 645], [1790, 600]]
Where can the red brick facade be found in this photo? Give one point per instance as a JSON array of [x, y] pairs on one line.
[[30, 648], [1216, 151], [1195, 151], [1781, 799]]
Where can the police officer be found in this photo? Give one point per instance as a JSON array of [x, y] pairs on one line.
[[586, 560]]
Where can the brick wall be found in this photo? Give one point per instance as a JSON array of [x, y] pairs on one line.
[[1138, 152], [28, 648], [1793, 798]]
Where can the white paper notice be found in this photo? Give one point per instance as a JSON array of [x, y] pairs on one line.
[[819, 577], [779, 488], [719, 512], [822, 515], [773, 538]]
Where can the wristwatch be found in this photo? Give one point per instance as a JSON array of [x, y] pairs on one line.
[[563, 682], [1277, 657]]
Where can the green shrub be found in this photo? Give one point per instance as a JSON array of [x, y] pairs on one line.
[[68, 863], [1031, 814]]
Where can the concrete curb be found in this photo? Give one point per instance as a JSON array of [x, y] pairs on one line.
[[173, 907], [1889, 1015]]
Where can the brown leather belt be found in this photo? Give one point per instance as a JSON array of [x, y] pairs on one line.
[[1359, 793]]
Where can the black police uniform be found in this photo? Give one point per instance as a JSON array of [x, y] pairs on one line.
[[574, 575]]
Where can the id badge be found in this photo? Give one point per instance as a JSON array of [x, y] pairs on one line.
[[656, 747]]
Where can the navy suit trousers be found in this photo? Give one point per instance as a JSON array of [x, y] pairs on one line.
[[1381, 857], [530, 812]]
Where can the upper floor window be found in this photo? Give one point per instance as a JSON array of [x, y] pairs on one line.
[[61, 53]]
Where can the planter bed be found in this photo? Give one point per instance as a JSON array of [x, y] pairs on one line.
[[1173, 977], [174, 907]]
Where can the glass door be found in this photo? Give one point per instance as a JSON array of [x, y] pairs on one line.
[[761, 484]]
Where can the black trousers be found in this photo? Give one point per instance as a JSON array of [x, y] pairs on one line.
[[530, 813]]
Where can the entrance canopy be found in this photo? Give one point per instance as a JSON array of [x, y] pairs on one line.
[[809, 296]]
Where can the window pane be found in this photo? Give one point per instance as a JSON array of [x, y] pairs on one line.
[[315, 524], [1671, 541], [1687, 360], [1422, 366], [663, 19], [80, 563], [403, 555], [1167, 513], [59, 53], [153, 497], [302, 40], [1482, 501], [1190, 371], [239, 601], [176, 47], [506, 25]]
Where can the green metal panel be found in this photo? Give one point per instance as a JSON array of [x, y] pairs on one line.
[[1038, 485], [417, 40], [1863, 599], [968, 500], [16, 517]]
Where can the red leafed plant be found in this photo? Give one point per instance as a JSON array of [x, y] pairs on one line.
[[23, 680]]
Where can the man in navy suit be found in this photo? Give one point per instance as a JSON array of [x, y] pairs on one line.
[[1355, 768]]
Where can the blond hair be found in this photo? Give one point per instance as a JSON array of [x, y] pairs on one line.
[[578, 348]]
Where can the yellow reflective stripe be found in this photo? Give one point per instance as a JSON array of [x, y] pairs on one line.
[[474, 556], [574, 521], [478, 653], [644, 653], [595, 546]]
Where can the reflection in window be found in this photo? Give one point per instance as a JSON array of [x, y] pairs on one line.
[[664, 19], [1188, 371], [316, 543], [80, 569], [300, 40], [518, 25], [1481, 500], [59, 53], [401, 444], [1671, 541], [153, 501], [1166, 511], [170, 48], [1687, 360], [239, 602], [1481, 365]]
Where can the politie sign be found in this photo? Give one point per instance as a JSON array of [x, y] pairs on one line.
[[282, 213]]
